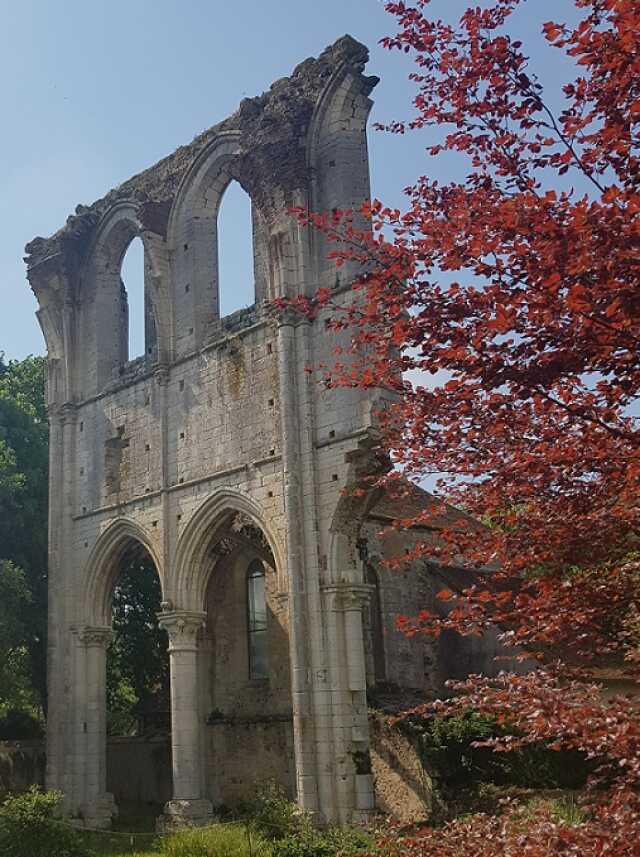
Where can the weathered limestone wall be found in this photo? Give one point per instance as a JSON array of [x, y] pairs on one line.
[[219, 421], [247, 752], [403, 788]]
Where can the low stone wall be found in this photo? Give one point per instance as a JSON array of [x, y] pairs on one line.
[[138, 769]]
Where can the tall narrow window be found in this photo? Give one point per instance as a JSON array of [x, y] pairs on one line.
[[257, 610], [236, 286], [132, 275]]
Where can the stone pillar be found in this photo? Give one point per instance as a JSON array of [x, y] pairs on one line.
[[57, 709], [355, 599], [344, 603], [97, 806], [189, 807]]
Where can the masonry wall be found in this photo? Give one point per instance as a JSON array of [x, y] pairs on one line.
[[138, 769], [220, 418]]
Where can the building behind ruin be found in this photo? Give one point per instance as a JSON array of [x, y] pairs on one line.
[[227, 461]]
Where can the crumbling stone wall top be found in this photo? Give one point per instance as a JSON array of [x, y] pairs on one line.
[[273, 127]]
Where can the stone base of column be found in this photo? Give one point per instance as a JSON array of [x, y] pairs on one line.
[[98, 813], [185, 813]]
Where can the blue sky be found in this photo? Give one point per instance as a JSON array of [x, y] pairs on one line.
[[93, 92]]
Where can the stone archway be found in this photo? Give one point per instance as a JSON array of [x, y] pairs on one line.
[[245, 667], [87, 783], [217, 705]]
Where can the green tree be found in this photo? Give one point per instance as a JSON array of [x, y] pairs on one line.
[[15, 679], [23, 519], [138, 661]]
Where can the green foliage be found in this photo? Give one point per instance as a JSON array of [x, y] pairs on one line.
[[17, 724], [14, 659], [273, 815], [313, 842], [23, 523], [138, 660], [14, 596], [221, 840], [292, 832], [28, 828], [448, 752]]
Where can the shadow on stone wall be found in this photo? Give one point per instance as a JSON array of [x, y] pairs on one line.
[[402, 787], [138, 769]]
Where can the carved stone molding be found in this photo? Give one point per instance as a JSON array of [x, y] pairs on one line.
[[183, 627], [94, 637], [347, 596], [161, 374], [67, 412]]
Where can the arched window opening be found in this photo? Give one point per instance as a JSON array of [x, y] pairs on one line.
[[138, 696], [376, 626], [236, 278], [257, 620], [134, 320]]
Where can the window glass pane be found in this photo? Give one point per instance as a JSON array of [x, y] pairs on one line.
[[257, 620], [258, 654], [257, 604]]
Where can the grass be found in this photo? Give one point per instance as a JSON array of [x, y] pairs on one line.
[[219, 840]]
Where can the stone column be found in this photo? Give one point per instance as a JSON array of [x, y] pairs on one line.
[[97, 805], [58, 707], [354, 783], [189, 807]]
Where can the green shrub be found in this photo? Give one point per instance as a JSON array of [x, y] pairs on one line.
[[447, 751], [273, 815], [313, 842], [19, 725], [292, 832], [28, 828], [220, 840]]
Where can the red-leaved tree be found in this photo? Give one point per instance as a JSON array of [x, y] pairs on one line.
[[520, 287]]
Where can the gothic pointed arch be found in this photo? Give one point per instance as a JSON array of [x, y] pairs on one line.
[[102, 567], [104, 319], [192, 237], [208, 526]]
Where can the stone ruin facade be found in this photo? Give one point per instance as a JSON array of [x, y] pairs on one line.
[[221, 456]]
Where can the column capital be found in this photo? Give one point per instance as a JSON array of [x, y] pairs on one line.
[[67, 412], [161, 374], [182, 627], [347, 596], [94, 637]]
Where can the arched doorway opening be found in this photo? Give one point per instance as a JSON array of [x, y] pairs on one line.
[[138, 724], [138, 689], [245, 666]]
